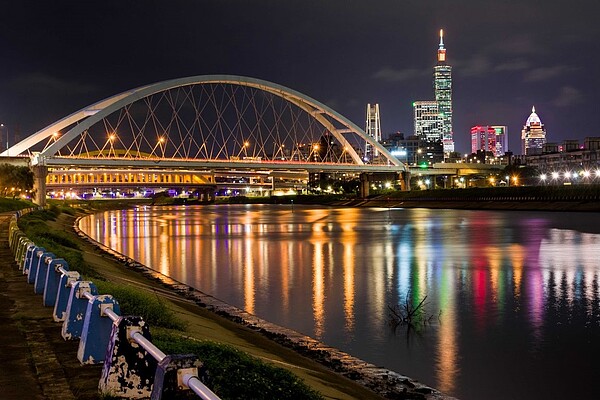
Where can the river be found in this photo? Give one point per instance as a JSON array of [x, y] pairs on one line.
[[512, 300]]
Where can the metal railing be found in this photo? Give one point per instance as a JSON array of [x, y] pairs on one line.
[[62, 288]]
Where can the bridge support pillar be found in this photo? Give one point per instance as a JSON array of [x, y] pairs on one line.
[[364, 186], [39, 184], [405, 181]]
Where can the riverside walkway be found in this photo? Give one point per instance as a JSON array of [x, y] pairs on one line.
[[35, 361]]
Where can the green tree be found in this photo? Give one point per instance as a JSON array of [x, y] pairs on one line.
[[15, 180]]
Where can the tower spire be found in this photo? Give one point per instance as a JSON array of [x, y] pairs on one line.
[[441, 56]]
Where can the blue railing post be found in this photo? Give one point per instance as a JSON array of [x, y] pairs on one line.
[[76, 309], [97, 328], [128, 368], [33, 266], [16, 236], [20, 253], [63, 293], [52, 280], [42, 270], [27, 259], [169, 373]]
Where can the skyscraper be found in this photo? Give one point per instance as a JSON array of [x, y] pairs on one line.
[[427, 120], [501, 139], [373, 129], [483, 138], [533, 135], [442, 87]]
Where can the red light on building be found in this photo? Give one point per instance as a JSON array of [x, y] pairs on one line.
[[483, 138]]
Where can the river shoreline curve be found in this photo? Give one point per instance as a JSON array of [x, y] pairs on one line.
[[386, 383]]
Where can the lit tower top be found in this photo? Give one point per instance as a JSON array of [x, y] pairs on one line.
[[533, 119], [441, 49]]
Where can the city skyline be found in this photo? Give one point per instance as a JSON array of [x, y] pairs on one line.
[[506, 56]]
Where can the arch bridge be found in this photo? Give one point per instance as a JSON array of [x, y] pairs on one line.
[[200, 131]]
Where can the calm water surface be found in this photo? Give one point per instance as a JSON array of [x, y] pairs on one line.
[[513, 295]]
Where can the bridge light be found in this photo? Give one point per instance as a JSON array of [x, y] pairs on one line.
[[555, 175], [543, 177], [586, 174]]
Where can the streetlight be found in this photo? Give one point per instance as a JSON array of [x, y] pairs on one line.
[[5, 128], [111, 139], [418, 155]]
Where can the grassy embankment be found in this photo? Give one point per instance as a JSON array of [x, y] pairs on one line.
[[242, 363], [234, 374]]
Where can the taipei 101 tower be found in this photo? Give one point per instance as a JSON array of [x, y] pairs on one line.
[[442, 86]]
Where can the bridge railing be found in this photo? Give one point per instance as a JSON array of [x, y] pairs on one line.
[[133, 366]]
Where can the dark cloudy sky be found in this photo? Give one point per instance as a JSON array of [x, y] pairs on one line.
[[59, 56]]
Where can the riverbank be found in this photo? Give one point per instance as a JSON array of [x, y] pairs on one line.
[[35, 361], [496, 204], [334, 374]]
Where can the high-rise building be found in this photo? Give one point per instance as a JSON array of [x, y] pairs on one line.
[[442, 86], [533, 135], [433, 119], [373, 129], [483, 138], [427, 120], [501, 139]]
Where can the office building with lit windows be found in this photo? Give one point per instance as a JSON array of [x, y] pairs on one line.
[[427, 120], [501, 139], [533, 135], [483, 138]]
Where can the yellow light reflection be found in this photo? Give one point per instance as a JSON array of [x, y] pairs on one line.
[[249, 284], [517, 254], [447, 362], [318, 290]]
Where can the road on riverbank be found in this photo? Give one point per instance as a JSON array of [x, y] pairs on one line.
[[35, 362]]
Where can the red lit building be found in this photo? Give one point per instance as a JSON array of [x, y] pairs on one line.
[[483, 138]]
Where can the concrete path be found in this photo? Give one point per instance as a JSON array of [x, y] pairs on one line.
[[35, 362]]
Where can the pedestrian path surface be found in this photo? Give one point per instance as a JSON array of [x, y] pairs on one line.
[[35, 362]]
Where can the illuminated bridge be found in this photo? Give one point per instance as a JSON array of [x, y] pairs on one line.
[[202, 132]]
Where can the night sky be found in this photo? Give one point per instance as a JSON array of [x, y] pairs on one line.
[[59, 56]]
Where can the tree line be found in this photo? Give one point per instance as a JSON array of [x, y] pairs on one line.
[[15, 180]]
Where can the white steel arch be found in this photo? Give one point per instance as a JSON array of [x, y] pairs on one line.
[[94, 113]]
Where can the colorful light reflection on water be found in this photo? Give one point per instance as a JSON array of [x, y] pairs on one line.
[[513, 295]]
